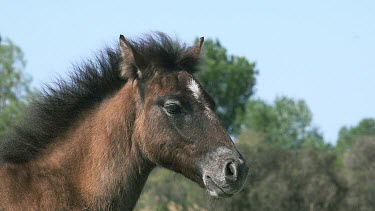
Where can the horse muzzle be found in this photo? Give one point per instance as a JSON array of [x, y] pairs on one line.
[[224, 172]]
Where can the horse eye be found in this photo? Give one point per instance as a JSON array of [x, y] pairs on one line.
[[173, 108]]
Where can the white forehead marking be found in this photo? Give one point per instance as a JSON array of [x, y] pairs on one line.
[[194, 87]]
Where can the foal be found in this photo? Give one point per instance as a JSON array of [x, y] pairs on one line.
[[91, 142]]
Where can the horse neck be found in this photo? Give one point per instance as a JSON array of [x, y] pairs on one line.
[[103, 156]]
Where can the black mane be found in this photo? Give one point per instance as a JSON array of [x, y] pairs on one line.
[[58, 108]]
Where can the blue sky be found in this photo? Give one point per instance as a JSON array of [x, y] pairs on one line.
[[322, 51]]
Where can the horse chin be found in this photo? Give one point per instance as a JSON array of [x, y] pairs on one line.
[[214, 190]]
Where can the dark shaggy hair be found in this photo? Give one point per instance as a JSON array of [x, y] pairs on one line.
[[58, 108], [163, 54]]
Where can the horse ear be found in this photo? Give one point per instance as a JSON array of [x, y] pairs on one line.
[[131, 60], [196, 51]]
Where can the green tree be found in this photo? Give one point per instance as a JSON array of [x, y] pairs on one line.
[[230, 80], [286, 179], [166, 190], [14, 84], [360, 173], [348, 136], [286, 123]]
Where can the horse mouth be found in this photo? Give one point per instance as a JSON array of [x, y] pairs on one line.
[[215, 190]]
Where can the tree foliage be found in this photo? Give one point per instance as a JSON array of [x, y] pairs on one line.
[[360, 167], [286, 123], [348, 135], [230, 80], [285, 179], [166, 190], [14, 84]]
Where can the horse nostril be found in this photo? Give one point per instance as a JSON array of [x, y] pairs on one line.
[[231, 171]]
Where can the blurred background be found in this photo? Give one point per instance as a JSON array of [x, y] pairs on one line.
[[294, 82]]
